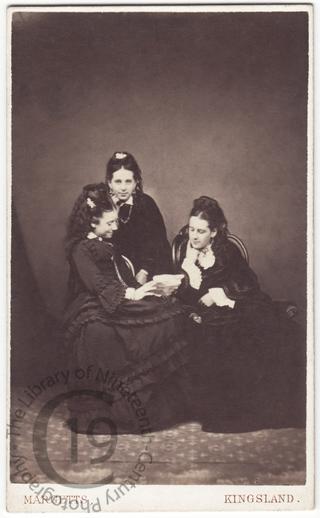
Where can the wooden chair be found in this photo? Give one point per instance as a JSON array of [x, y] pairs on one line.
[[129, 264]]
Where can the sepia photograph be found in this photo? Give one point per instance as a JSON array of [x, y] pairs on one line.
[[161, 344]]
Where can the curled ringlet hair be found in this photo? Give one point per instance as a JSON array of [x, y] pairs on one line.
[[90, 205], [123, 159], [209, 209]]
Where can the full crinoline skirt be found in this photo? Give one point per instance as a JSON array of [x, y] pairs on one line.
[[248, 370], [133, 364]]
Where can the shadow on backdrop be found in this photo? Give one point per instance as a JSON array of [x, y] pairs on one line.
[[35, 337]]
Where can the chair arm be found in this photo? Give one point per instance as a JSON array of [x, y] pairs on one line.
[[286, 307]]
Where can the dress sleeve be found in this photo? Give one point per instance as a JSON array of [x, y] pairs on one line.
[[105, 285], [155, 248], [241, 282], [186, 293]]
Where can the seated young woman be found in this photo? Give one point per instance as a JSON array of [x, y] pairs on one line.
[[248, 359], [141, 234], [118, 326]]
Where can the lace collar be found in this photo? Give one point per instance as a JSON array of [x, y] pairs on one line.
[[92, 235], [204, 257]]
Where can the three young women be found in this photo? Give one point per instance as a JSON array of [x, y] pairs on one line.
[[245, 360]]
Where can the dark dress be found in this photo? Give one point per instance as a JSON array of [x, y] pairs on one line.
[[248, 363], [142, 236], [139, 343]]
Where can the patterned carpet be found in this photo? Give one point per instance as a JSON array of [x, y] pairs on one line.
[[182, 455]]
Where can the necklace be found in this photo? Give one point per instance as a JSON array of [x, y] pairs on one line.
[[125, 220], [206, 258]]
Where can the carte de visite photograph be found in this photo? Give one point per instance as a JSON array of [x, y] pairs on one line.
[[160, 238]]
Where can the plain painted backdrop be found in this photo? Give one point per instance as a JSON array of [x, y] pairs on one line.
[[208, 103]]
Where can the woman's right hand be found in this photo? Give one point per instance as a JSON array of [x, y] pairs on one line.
[[142, 277], [146, 290]]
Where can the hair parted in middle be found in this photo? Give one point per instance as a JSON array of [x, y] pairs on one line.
[[90, 205], [125, 160], [209, 209]]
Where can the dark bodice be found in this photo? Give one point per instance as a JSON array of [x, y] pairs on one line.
[[143, 238], [96, 266], [98, 281], [230, 272]]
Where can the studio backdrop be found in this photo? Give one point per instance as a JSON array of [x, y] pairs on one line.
[[208, 103]]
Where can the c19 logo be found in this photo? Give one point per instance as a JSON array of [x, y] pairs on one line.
[[40, 436]]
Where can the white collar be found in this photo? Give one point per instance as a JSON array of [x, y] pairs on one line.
[[92, 235], [129, 201], [205, 257]]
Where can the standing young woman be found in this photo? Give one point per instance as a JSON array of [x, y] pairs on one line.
[[141, 235]]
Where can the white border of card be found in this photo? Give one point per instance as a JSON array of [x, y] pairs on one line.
[[190, 497]]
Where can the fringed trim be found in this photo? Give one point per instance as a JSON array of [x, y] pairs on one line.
[[92, 312], [158, 367], [110, 304]]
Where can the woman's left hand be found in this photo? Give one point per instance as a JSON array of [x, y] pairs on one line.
[[218, 297], [207, 300]]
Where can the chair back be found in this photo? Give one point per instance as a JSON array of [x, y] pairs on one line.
[[129, 264]]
